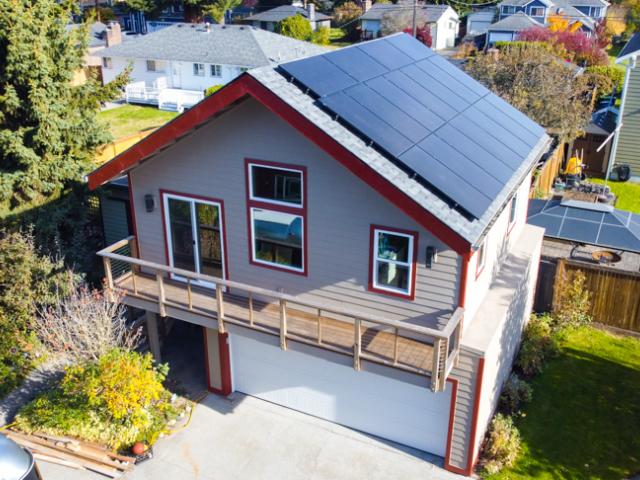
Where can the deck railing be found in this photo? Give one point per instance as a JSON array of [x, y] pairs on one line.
[[406, 345]]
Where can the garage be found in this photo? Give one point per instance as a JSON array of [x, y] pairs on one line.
[[385, 402]]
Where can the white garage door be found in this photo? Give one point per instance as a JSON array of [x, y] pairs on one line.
[[370, 402], [500, 37]]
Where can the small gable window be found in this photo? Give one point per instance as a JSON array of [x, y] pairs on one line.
[[198, 69], [536, 12], [508, 9], [393, 261]]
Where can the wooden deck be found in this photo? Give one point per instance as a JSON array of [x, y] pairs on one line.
[[406, 346]]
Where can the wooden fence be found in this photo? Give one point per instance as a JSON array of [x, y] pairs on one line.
[[110, 150], [543, 183], [615, 294]]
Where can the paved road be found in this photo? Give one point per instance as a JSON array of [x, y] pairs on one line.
[[246, 438]]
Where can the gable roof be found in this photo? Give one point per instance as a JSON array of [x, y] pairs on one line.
[[515, 23], [431, 13], [631, 48], [522, 3], [420, 201], [241, 45], [97, 33], [585, 222], [284, 11]]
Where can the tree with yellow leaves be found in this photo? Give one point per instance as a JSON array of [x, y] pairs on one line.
[[560, 23]]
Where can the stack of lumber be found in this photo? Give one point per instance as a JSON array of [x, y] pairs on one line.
[[73, 453]]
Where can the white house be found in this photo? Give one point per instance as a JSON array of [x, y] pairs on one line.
[[173, 67], [443, 20]]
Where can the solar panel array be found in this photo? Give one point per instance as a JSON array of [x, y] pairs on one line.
[[587, 223], [425, 114]]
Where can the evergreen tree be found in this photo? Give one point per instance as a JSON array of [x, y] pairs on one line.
[[48, 125]]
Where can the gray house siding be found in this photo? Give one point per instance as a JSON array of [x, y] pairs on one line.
[[629, 144], [341, 209]]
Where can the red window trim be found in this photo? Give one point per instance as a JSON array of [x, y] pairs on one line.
[[225, 257], [480, 268], [265, 205], [372, 288]]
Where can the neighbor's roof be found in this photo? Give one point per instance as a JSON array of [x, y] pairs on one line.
[[631, 49], [566, 8], [515, 23], [284, 11], [240, 45], [471, 141], [522, 3], [585, 222], [97, 33], [430, 13], [603, 121]]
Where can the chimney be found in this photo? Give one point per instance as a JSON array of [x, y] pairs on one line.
[[114, 34], [311, 8], [366, 5]]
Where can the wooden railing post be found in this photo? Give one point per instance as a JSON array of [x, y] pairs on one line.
[[357, 345], [220, 308], [189, 295], [395, 345], [435, 364], [283, 324], [109, 277], [161, 294], [251, 309], [319, 317]]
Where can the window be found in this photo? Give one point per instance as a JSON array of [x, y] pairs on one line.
[[107, 62], [243, 69], [536, 12], [513, 210], [198, 69], [155, 66], [277, 215], [216, 70], [393, 261], [508, 9], [481, 255]]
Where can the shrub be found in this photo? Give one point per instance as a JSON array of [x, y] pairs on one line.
[[502, 445], [515, 393], [346, 16], [116, 400], [85, 325], [296, 27], [609, 77], [211, 90], [321, 36], [572, 304], [538, 345]]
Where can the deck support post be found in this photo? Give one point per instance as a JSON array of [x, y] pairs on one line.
[[153, 335], [283, 324], [357, 344], [220, 308]]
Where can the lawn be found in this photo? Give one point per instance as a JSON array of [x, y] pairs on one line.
[[628, 194], [130, 119], [584, 419]]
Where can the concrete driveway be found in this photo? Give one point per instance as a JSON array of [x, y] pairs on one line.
[[241, 437]]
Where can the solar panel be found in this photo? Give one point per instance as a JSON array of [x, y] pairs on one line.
[[586, 223], [424, 114]]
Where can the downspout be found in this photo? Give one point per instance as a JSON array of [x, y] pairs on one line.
[[616, 137]]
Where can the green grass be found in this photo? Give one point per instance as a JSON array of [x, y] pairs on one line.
[[130, 119], [584, 418], [628, 194]]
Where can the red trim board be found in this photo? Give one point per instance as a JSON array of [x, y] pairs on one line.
[[266, 205], [225, 364], [247, 85]]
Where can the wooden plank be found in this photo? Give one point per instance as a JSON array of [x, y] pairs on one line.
[[283, 324], [57, 461]]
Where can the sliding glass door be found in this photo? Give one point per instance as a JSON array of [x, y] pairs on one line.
[[194, 235]]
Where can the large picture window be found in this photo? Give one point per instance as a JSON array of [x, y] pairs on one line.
[[393, 261], [277, 215]]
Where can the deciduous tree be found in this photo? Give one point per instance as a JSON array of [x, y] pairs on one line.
[[296, 27]]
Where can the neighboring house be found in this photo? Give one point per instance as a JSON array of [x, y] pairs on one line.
[[507, 29], [361, 217], [626, 141], [478, 22], [269, 19], [172, 67], [443, 21], [587, 12], [100, 37]]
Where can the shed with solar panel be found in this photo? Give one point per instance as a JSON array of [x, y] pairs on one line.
[[350, 230]]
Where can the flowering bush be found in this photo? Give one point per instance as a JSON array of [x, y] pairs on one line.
[[423, 34]]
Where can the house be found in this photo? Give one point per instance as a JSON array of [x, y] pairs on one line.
[[626, 140], [478, 22], [443, 21], [537, 12], [269, 19], [173, 66], [100, 37], [349, 230]]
